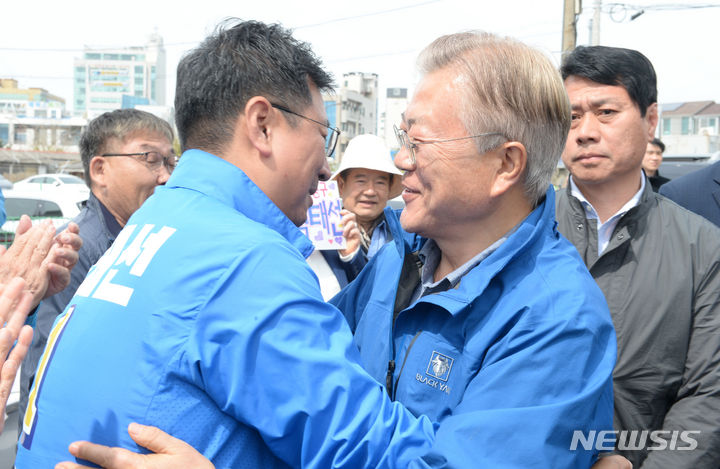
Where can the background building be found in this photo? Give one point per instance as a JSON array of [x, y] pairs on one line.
[[353, 108], [30, 102], [396, 102], [103, 76], [690, 127], [34, 120]]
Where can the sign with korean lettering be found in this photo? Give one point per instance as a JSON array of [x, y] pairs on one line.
[[323, 218]]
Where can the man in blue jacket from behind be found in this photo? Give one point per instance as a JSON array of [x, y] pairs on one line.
[[203, 317], [485, 318]]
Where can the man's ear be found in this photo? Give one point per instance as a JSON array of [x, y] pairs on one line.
[[651, 117], [98, 170], [259, 122], [511, 169]]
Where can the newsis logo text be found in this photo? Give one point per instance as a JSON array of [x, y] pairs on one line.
[[629, 440]]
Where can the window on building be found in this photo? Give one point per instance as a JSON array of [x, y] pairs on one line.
[[127, 57], [139, 69], [685, 126], [666, 126], [92, 56]]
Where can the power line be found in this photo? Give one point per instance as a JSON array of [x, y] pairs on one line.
[[193, 43], [619, 12], [365, 15]]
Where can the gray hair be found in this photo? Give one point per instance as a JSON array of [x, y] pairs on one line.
[[513, 89], [119, 124]]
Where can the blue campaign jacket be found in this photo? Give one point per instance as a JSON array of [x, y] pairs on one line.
[[204, 319], [510, 363]]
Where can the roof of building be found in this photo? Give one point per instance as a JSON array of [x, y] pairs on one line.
[[687, 109], [712, 110]]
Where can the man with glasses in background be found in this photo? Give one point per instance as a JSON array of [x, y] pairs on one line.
[[125, 154], [482, 318]]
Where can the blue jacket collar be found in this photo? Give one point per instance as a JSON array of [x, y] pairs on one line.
[[216, 178], [539, 223]]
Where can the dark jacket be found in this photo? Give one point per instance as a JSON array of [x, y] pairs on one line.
[[656, 181], [660, 274], [698, 192]]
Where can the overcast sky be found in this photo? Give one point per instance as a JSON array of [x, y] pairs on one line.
[[38, 44]]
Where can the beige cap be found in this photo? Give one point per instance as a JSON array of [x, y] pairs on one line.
[[369, 152]]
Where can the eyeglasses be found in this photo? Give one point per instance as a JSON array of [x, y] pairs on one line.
[[405, 142], [152, 159], [332, 137]]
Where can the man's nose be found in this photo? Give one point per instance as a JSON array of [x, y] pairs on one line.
[[163, 175], [587, 129], [403, 159]]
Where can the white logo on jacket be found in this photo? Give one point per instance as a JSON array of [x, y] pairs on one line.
[[439, 366]]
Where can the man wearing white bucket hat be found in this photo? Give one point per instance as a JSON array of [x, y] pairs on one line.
[[367, 179]]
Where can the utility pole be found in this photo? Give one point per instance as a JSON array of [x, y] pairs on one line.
[[571, 9]]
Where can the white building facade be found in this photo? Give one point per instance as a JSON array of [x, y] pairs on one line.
[[353, 108], [690, 127], [396, 102], [104, 79], [34, 119]]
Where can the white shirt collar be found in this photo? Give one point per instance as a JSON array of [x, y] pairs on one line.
[[605, 230]]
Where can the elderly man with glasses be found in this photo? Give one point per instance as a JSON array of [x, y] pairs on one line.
[[482, 317], [125, 154]]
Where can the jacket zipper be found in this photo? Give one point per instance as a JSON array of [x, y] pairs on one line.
[[389, 377], [407, 352]]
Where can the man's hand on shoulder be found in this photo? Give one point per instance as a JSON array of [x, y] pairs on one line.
[[169, 452]]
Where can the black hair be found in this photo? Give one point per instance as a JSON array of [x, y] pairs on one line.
[[614, 66], [658, 143], [240, 60]]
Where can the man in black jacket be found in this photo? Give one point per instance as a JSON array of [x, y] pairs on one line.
[[651, 163], [657, 264]]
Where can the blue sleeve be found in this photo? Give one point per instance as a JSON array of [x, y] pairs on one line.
[[281, 360], [542, 383], [353, 295], [354, 266]]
